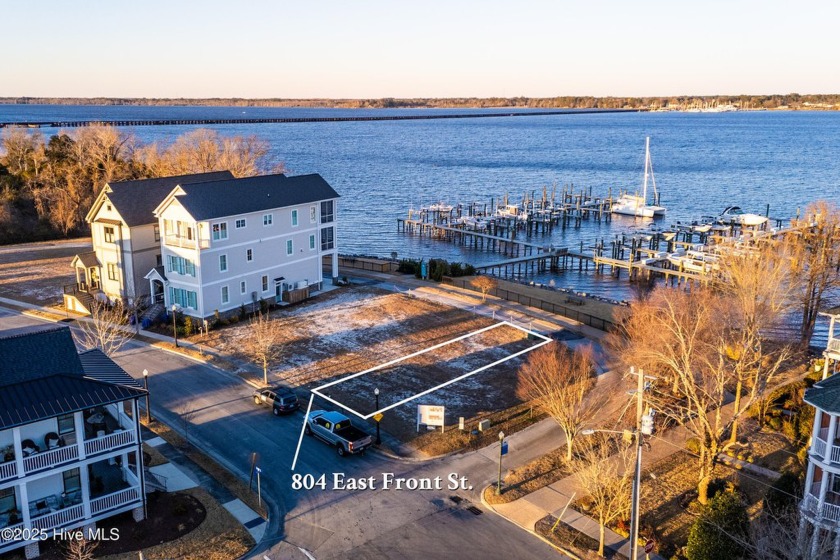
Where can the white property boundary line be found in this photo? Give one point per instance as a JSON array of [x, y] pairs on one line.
[[317, 390]]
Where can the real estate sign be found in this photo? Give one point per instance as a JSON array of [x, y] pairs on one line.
[[430, 415]]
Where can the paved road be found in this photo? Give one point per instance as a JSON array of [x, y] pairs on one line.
[[216, 410]]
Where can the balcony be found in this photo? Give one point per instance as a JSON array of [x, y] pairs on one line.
[[820, 446], [39, 460], [8, 465], [829, 510], [107, 442], [185, 242]]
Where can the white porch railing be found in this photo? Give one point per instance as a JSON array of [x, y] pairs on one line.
[[819, 447], [829, 511], [50, 458], [8, 470], [834, 344], [59, 518], [114, 500], [3, 540], [111, 441]]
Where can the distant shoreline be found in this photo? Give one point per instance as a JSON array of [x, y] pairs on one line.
[[790, 102]]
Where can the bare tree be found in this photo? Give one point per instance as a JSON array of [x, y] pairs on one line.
[[205, 150], [816, 260], [759, 289], [484, 284], [80, 549], [263, 342], [686, 339], [558, 381], [106, 328], [605, 475]]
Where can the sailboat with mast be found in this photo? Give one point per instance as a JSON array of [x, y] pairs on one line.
[[635, 204]]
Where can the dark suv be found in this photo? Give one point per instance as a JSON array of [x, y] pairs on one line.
[[281, 399]]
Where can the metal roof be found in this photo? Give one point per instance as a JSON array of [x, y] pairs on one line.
[[42, 376], [136, 200], [206, 201]]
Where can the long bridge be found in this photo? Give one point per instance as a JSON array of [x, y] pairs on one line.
[[273, 120]]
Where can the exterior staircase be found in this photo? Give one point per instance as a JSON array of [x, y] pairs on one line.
[[154, 482], [153, 313], [79, 301]]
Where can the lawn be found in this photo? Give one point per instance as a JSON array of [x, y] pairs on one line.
[[36, 272]]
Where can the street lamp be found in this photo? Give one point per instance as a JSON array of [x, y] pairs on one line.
[[376, 395], [148, 401], [501, 445], [175, 324]]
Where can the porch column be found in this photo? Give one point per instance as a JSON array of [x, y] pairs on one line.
[[832, 433], [84, 477], [18, 452], [24, 505], [809, 477], [821, 501], [79, 422], [334, 259]]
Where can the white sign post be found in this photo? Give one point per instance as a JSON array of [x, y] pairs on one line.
[[430, 415]]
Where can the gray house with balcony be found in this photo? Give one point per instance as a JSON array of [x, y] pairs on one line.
[[126, 240], [235, 242], [70, 449]]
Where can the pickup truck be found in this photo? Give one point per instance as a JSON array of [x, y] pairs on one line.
[[282, 400], [335, 429]]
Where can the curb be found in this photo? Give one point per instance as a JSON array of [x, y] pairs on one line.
[[559, 549]]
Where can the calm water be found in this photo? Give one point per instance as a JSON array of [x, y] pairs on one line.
[[703, 162]]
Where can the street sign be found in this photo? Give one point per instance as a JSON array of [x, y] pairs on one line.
[[378, 417], [649, 546], [504, 448], [258, 470]]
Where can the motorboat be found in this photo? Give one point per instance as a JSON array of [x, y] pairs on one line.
[[635, 204], [734, 215]]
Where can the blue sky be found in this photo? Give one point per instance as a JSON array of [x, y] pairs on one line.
[[325, 48]]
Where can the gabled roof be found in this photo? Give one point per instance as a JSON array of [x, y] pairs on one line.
[[88, 260], [218, 199], [825, 394], [136, 200], [42, 376]]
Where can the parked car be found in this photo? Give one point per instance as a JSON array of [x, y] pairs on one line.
[[335, 429], [281, 399]]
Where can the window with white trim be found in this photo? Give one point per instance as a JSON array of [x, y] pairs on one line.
[[240, 223], [225, 294], [294, 218], [249, 255], [180, 265], [327, 239], [109, 234], [312, 242], [312, 214], [222, 263], [113, 272], [243, 287], [290, 248], [219, 231], [327, 209], [268, 219], [157, 233], [265, 283]]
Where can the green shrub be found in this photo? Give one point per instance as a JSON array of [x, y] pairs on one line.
[[189, 327], [782, 497], [707, 539]]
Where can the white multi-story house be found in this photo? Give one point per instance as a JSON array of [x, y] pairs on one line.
[[820, 522], [230, 243], [70, 450], [126, 240]]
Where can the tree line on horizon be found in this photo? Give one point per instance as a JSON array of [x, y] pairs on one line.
[[47, 186], [747, 102]]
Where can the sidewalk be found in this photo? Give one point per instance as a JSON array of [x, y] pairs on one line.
[[552, 499]]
